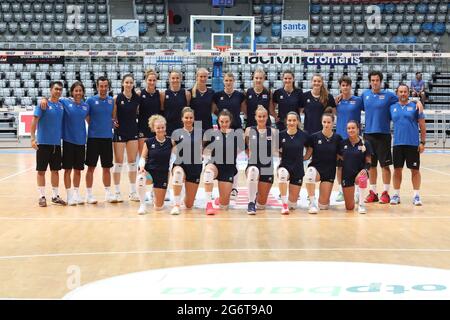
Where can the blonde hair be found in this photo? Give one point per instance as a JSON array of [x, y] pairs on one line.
[[260, 70], [194, 88], [150, 72], [229, 75], [186, 110], [323, 98], [155, 118], [261, 108]]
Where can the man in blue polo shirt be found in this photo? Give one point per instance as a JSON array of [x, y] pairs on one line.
[[418, 87], [48, 143], [377, 132], [407, 120], [99, 142]]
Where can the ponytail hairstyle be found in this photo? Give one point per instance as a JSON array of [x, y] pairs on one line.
[[186, 110], [328, 113], [155, 118], [293, 77], [194, 88], [150, 72], [293, 113], [225, 113], [261, 71], [361, 137], [77, 84], [323, 91], [128, 75]]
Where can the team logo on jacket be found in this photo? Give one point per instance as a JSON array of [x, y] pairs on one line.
[[409, 109], [221, 98], [96, 102], [284, 140], [144, 96], [253, 137], [345, 147], [110, 101], [395, 109], [264, 96], [167, 96], [217, 138], [308, 100], [122, 102], [281, 97], [84, 108], [319, 142], [381, 97], [250, 96], [153, 146]]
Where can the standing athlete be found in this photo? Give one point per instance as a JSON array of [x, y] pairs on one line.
[[48, 144], [99, 142], [407, 120], [287, 99]]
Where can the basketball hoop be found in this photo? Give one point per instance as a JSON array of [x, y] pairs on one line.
[[222, 48]]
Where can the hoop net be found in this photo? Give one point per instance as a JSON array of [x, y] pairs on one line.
[[222, 48]]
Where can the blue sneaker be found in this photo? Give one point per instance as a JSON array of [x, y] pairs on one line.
[[251, 209], [340, 197], [417, 201], [395, 199]]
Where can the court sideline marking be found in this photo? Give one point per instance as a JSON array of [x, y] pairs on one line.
[[16, 174], [106, 253]]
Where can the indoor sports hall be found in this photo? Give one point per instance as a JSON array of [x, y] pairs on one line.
[[107, 250]]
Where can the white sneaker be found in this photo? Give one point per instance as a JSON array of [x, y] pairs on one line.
[[175, 211], [142, 209], [362, 209], [110, 198], [233, 195], [118, 197], [91, 199], [133, 196], [71, 201], [417, 201], [78, 199], [313, 208], [356, 197]]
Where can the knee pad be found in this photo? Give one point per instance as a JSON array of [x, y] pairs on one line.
[[362, 182], [310, 175], [177, 177], [140, 180], [324, 206], [252, 174], [117, 168], [132, 167], [208, 177], [283, 175]]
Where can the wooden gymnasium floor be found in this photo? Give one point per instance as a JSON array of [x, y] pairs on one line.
[[39, 245]]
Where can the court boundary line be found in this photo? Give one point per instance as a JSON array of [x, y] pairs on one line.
[[436, 171], [184, 251], [15, 174], [170, 218]]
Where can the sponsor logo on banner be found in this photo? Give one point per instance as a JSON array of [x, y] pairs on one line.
[[329, 57], [295, 28], [33, 57]]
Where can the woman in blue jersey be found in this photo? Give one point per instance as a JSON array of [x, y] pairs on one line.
[[188, 164], [202, 99], [354, 154], [154, 164], [286, 99], [324, 147], [173, 100], [233, 101], [150, 104], [314, 104], [261, 144], [76, 112], [348, 108], [126, 105], [258, 96], [225, 145], [290, 171]]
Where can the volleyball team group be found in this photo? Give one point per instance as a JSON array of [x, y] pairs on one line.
[[169, 136]]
